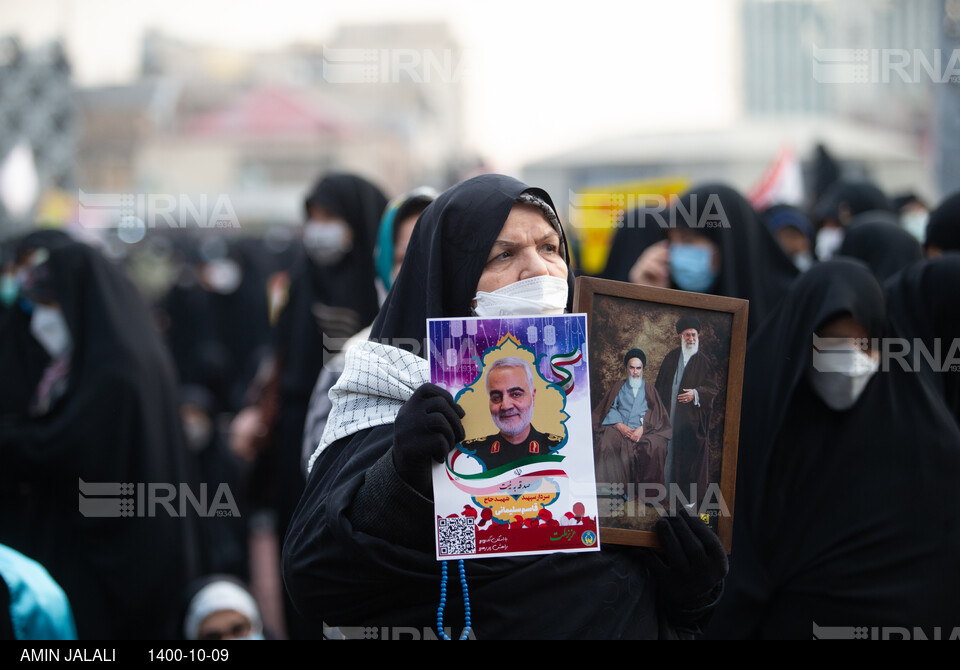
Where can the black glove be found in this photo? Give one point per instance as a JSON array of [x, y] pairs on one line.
[[427, 427], [691, 566]]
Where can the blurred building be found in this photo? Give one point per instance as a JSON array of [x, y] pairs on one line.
[[946, 141], [851, 58], [880, 64], [38, 129], [264, 148], [379, 100], [809, 67], [116, 122], [862, 78], [415, 88]]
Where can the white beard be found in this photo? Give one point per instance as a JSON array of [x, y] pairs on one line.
[[514, 425], [689, 350], [635, 384]]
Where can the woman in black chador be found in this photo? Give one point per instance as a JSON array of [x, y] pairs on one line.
[[89, 395], [847, 475]]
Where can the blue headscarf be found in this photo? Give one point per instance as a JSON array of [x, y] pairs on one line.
[[39, 609], [397, 210]]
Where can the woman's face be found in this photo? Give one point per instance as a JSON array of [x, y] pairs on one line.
[[527, 246], [692, 238], [845, 327], [224, 625], [404, 229]]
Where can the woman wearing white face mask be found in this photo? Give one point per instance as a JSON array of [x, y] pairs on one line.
[[395, 228], [843, 200], [526, 271], [847, 469], [360, 550], [332, 296], [37, 349], [101, 407]]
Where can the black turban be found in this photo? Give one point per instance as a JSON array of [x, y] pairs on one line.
[[687, 322]]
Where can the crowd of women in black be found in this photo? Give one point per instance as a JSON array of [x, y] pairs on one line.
[[846, 478]]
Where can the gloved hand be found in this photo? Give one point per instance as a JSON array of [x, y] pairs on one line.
[[691, 566], [427, 427]]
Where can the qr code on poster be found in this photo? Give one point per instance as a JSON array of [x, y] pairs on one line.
[[456, 536]]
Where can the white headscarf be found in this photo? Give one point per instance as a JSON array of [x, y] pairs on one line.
[[218, 597]]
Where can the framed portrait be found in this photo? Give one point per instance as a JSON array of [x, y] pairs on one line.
[[666, 376]]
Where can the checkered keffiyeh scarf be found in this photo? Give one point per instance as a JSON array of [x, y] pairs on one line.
[[377, 379]]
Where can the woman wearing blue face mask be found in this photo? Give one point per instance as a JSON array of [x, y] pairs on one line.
[[714, 242], [694, 261]]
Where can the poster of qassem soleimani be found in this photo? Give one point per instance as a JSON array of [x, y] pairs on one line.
[[522, 480]]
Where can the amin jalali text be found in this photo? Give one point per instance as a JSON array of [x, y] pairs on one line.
[[68, 654]]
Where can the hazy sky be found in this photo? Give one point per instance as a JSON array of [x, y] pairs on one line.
[[545, 76]]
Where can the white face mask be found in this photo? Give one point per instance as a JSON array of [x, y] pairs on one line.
[[327, 241], [49, 328], [223, 276], [537, 295], [841, 376], [828, 241], [915, 223], [803, 261]]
